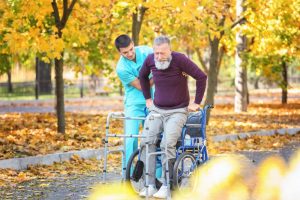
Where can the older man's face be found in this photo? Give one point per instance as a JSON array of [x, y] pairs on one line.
[[162, 56], [162, 52], [128, 52]]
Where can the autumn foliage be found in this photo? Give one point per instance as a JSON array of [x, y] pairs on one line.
[[35, 134], [31, 134]]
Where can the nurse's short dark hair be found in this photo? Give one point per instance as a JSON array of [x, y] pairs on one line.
[[122, 41]]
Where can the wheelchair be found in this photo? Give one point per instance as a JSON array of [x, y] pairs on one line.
[[191, 151]]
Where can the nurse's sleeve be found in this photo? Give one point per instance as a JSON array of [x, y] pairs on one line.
[[125, 76]]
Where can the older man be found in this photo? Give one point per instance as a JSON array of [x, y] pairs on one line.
[[170, 72]]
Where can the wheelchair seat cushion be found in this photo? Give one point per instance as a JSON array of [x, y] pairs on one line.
[[194, 118]]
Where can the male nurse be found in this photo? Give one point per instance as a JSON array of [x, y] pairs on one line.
[[128, 67]]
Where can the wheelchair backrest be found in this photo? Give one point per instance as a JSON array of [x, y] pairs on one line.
[[194, 119]]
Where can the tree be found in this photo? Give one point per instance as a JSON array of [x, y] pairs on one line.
[[274, 27], [5, 68], [54, 30], [60, 23], [137, 21], [284, 83], [5, 65], [43, 77], [241, 89]]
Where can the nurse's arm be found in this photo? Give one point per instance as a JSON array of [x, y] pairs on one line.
[[151, 82], [136, 83]]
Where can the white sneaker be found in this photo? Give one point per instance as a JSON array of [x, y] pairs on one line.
[[162, 192], [151, 191]]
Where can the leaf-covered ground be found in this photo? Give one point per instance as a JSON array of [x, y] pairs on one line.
[[258, 117], [32, 134]]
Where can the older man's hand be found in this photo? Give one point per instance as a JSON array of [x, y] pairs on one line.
[[193, 107], [149, 103]]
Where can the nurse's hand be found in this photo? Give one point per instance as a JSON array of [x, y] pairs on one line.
[[149, 103]]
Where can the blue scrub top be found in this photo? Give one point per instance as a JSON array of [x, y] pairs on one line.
[[128, 71]]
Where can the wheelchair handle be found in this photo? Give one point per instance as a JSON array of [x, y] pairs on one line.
[[208, 106]]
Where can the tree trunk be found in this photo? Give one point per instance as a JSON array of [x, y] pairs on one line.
[[9, 83], [81, 85], [212, 83], [59, 91], [284, 86], [82, 81], [5, 68], [137, 20], [44, 77], [215, 59], [256, 81], [37, 79], [60, 23], [240, 102], [202, 59], [121, 89]]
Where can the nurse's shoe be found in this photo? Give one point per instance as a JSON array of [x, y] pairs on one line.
[[151, 190]]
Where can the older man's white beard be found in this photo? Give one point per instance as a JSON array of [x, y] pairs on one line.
[[162, 65]]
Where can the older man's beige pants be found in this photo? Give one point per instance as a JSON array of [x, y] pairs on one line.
[[171, 123]]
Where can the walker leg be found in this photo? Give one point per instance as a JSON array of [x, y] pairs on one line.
[[105, 159], [147, 171], [124, 160], [167, 173]]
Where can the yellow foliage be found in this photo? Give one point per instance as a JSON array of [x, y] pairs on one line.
[[289, 189], [220, 178], [116, 191], [270, 173], [226, 178], [30, 29], [269, 21]]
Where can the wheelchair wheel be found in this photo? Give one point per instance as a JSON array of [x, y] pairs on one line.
[[183, 169], [137, 186]]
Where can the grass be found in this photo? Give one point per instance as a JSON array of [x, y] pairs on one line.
[[32, 97], [28, 93]]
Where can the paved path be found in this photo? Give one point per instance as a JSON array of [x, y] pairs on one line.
[[76, 187], [72, 187], [97, 104], [90, 105]]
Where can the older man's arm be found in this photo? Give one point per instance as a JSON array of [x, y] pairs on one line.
[[144, 79], [189, 67]]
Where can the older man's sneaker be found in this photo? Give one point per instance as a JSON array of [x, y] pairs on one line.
[[162, 192], [151, 191]]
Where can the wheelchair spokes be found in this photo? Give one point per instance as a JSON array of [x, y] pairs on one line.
[[183, 169], [137, 186]]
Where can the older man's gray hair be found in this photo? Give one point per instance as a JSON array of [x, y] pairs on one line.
[[161, 40]]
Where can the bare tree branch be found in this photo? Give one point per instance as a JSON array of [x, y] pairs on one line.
[[67, 11], [239, 21], [201, 60], [221, 24], [56, 13], [221, 54]]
